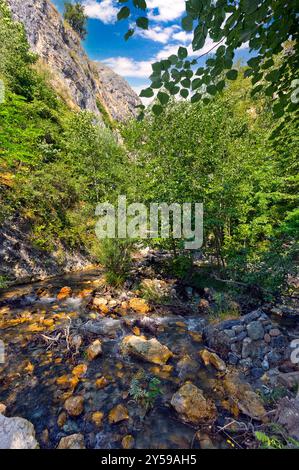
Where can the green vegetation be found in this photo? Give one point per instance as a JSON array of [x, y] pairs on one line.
[[224, 155], [145, 390], [232, 154], [275, 442], [115, 257], [266, 25], [75, 16], [55, 164]]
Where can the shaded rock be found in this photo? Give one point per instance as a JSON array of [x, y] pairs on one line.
[[191, 405], [233, 359], [204, 440], [248, 402], [250, 317], [149, 350], [118, 413], [17, 433], [274, 332], [102, 326], [213, 359], [289, 380], [75, 441], [94, 350], [187, 368], [255, 330], [288, 416], [74, 405]]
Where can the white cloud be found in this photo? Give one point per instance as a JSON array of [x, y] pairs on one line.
[[103, 10], [129, 67], [168, 10], [183, 37], [158, 33]]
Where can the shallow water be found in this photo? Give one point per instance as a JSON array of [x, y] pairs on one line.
[[28, 378]]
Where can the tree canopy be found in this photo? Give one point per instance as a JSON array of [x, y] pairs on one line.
[[266, 26], [75, 16]]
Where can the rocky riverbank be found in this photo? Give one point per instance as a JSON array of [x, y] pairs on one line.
[[146, 366]]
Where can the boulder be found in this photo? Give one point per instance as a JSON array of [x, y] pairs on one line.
[[17, 433], [191, 405], [288, 416], [148, 350], [74, 405], [74, 441], [210, 358], [241, 393], [187, 368], [94, 350]]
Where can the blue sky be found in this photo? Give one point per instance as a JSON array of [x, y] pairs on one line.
[[132, 59]]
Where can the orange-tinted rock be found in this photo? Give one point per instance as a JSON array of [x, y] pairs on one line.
[[79, 370], [85, 293], [191, 405], [139, 305], [213, 359], [149, 350], [65, 293], [74, 405], [61, 420], [118, 413], [74, 441], [94, 350], [97, 418], [128, 442], [101, 383], [136, 331]]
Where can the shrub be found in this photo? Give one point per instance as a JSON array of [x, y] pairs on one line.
[[75, 16], [116, 257]]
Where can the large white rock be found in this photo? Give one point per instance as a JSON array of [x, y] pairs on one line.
[[17, 433]]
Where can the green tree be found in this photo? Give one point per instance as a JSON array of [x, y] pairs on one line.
[[265, 25], [75, 16]]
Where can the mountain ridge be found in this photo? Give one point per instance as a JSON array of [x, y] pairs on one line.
[[80, 82]]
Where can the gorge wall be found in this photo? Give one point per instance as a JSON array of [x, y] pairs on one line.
[[81, 82]]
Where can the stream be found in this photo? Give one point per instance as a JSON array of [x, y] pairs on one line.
[[39, 375]]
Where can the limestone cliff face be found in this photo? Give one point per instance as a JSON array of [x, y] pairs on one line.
[[78, 80]]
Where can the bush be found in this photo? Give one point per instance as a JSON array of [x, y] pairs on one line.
[[75, 16], [116, 257]]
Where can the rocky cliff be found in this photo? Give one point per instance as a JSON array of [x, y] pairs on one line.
[[79, 81]]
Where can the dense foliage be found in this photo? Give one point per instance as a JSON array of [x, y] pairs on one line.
[[266, 25], [75, 16], [224, 155], [55, 164], [231, 154]]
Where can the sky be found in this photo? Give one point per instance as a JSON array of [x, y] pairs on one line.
[[132, 59]]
